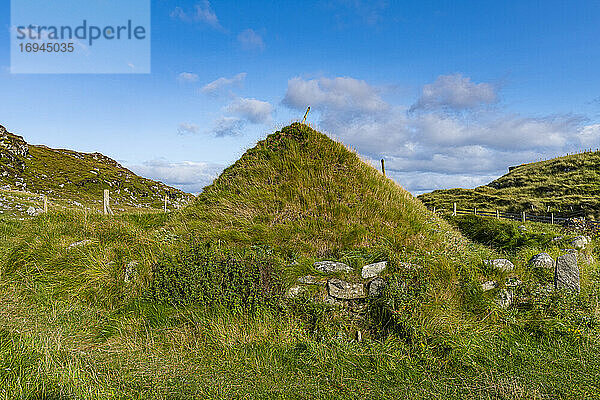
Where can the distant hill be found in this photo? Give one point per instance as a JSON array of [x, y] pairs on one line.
[[569, 185], [301, 191], [71, 177]]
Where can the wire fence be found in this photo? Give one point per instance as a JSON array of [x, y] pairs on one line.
[[550, 218]]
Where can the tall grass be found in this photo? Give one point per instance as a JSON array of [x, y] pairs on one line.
[[145, 307]]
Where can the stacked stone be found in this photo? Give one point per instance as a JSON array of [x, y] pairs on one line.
[[336, 291]]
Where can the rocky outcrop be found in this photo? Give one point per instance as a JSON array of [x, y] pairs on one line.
[[13, 152], [13, 144]]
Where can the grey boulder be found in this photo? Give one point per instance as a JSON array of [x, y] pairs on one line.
[[489, 285], [580, 242], [541, 261], [295, 291], [343, 290], [501, 264], [332, 266], [373, 270], [376, 287], [566, 272]]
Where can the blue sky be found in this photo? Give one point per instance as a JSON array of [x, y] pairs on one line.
[[449, 92]]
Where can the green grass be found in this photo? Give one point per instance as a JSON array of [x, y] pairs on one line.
[[149, 306], [299, 191], [569, 184], [65, 350], [306, 196], [70, 178]]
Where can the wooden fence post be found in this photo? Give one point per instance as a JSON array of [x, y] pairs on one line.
[[475, 211], [523, 217], [383, 166], [107, 209], [454, 211], [305, 115], [497, 214], [552, 218], [434, 209]]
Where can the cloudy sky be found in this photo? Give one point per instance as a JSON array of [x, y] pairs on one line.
[[450, 93]]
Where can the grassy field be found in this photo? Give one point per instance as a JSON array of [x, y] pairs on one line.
[[565, 185], [72, 327], [189, 305]]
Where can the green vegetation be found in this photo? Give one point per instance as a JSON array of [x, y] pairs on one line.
[[300, 192], [145, 306], [70, 178], [564, 185]]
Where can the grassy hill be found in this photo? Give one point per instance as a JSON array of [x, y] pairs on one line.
[[569, 184], [71, 178], [300, 191], [79, 315]]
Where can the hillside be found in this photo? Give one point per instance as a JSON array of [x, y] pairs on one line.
[[300, 191], [568, 185], [71, 178], [83, 317]]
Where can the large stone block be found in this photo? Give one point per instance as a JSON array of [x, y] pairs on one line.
[[343, 290], [373, 270], [332, 266], [566, 272]]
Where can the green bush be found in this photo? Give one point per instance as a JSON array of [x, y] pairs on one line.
[[210, 276]]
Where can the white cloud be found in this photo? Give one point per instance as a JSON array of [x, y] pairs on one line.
[[424, 182], [253, 110], [589, 136], [187, 77], [455, 92], [435, 148], [228, 126], [250, 40], [188, 176], [342, 94], [218, 84], [202, 12], [187, 128]]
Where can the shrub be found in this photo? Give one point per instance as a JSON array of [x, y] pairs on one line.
[[214, 277]]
